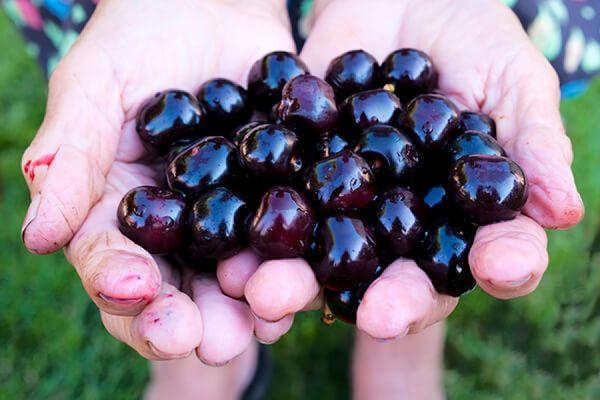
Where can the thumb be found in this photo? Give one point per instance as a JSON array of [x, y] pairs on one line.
[[66, 163]]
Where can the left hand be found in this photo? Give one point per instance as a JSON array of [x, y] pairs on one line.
[[486, 63]]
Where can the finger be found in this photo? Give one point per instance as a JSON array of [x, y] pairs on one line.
[[119, 276], [400, 302], [344, 26], [508, 259], [228, 323], [531, 130], [65, 165], [281, 287], [268, 332], [169, 327], [234, 272]]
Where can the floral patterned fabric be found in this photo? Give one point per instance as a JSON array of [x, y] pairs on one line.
[[566, 31]]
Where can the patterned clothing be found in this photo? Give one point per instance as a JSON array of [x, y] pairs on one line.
[[566, 31]]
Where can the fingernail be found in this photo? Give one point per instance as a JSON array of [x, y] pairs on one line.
[[167, 356], [265, 342], [514, 284], [392, 339], [115, 300], [212, 363], [31, 214]]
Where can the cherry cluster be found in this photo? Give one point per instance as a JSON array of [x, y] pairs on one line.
[[350, 172]]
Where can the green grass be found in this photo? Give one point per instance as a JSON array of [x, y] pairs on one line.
[[53, 345]]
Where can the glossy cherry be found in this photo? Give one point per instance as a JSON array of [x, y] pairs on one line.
[[268, 76], [347, 253], [282, 225], [343, 305], [400, 218], [391, 154], [472, 143], [218, 221], [238, 135], [226, 104], [308, 105], [411, 72], [342, 182], [167, 117], [444, 258], [211, 162], [474, 121], [154, 218], [431, 120], [369, 108], [271, 152], [488, 189], [352, 72]]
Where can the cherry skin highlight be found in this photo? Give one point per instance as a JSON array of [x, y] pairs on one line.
[[342, 182], [154, 218], [268, 76], [411, 72], [352, 72], [211, 162], [308, 106], [444, 258], [226, 104], [218, 222], [400, 219], [282, 225], [169, 116], [347, 253], [488, 189]]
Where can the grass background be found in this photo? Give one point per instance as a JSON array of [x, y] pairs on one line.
[[53, 346]]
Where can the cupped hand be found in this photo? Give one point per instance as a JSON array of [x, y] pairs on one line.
[[486, 63], [86, 155]]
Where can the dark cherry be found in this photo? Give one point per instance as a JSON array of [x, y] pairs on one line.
[[472, 143], [211, 162], [430, 119], [369, 108], [268, 76], [411, 72], [488, 189], [332, 144], [308, 105], [154, 218], [343, 305], [391, 154], [283, 224], [226, 104], [238, 135], [473, 121], [352, 72], [271, 152], [218, 222], [347, 253], [400, 218], [168, 117], [342, 182], [436, 198], [445, 258]]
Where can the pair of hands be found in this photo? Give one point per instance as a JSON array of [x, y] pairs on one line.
[[86, 155]]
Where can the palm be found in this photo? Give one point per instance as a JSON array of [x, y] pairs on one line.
[[127, 53], [486, 63]]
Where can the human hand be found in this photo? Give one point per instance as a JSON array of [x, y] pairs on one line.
[[486, 63], [87, 154]]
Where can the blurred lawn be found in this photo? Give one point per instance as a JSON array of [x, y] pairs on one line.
[[52, 345]]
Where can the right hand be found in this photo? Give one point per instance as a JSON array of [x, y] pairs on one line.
[[87, 154]]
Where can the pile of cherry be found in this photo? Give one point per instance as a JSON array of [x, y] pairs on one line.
[[350, 172]]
